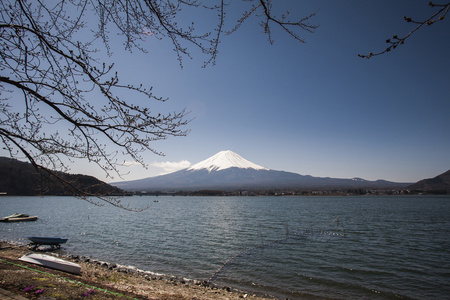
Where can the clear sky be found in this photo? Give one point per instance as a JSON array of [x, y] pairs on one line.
[[315, 108]]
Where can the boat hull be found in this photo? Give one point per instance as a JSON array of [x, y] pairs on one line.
[[51, 262], [46, 240]]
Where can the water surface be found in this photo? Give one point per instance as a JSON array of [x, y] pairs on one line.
[[393, 248]]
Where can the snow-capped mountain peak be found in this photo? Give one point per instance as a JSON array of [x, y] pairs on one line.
[[224, 160]]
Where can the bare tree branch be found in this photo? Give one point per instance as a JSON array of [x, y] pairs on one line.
[[59, 101], [289, 26], [395, 41]]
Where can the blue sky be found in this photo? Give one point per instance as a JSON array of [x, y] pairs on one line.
[[315, 108]]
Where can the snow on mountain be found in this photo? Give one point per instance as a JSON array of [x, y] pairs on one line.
[[225, 160], [358, 179]]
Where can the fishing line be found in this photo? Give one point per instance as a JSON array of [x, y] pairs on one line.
[[303, 234]]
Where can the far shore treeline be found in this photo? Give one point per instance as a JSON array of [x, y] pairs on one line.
[[22, 179]]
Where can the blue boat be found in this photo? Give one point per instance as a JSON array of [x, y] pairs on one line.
[[54, 242]]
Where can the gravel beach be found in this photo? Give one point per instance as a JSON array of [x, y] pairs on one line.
[[98, 280]]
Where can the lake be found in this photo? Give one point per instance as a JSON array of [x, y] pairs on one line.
[[368, 247]]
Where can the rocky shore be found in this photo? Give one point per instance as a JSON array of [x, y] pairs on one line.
[[100, 280]]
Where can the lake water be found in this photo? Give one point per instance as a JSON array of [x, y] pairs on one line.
[[288, 247]]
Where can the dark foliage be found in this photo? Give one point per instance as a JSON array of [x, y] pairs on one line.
[[22, 179], [436, 185]]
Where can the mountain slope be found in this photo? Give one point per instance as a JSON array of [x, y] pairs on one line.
[[438, 184], [229, 171], [22, 179]]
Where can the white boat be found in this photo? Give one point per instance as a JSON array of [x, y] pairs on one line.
[[51, 262], [18, 218]]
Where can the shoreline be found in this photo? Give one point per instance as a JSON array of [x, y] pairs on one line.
[[102, 279]]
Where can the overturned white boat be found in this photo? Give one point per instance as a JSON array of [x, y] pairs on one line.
[[51, 262]]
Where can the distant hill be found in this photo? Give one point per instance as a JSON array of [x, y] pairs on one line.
[[437, 185], [227, 171], [22, 179]]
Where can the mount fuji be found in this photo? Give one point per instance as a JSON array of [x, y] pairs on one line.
[[227, 171]]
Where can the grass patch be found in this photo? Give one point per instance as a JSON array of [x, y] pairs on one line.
[[40, 279]]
